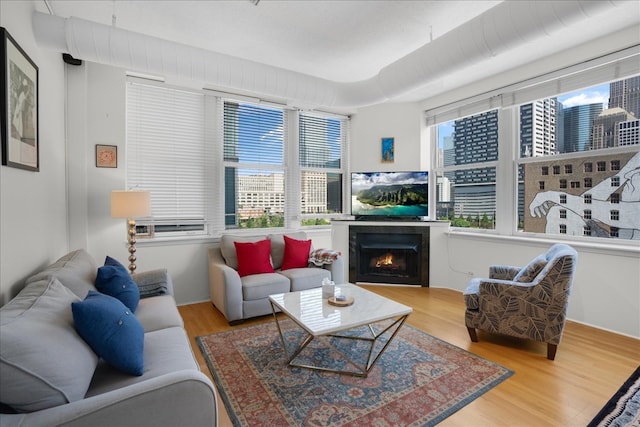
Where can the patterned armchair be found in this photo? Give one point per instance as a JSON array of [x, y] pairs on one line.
[[528, 302]]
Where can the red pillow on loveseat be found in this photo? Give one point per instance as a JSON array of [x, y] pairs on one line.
[[296, 253], [254, 257]]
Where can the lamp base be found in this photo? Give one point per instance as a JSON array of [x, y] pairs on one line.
[[132, 246]]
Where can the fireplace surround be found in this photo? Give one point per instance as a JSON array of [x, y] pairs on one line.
[[389, 254]]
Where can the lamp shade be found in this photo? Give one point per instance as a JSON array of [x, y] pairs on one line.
[[130, 204]]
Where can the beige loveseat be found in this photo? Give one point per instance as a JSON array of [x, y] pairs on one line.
[[240, 298], [49, 376]]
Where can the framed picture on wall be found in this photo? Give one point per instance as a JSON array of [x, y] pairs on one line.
[[387, 150], [106, 156], [19, 94]]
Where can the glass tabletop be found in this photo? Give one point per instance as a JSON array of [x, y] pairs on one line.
[[318, 317]]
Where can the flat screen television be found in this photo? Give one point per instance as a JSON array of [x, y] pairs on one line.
[[390, 195]]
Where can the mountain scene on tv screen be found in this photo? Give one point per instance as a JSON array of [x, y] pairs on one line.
[[394, 195]]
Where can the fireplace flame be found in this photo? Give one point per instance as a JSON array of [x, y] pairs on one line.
[[384, 260]]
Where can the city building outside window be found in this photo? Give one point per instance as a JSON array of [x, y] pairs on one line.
[[466, 174], [571, 136]]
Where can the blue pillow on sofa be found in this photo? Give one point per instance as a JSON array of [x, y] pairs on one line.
[[114, 279], [111, 330]]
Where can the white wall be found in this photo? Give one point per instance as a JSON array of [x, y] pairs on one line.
[[33, 212], [402, 121]]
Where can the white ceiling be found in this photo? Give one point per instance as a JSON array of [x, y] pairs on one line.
[[336, 40], [372, 42]]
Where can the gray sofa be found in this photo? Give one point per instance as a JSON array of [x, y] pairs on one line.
[[50, 376], [240, 298]]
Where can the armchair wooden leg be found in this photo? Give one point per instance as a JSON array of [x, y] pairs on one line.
[[551, 351], [472, 334]]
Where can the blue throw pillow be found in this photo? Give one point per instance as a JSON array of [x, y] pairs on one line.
[[114, 279], [111, 330]]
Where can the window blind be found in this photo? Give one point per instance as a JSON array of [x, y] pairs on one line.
[[321, 141], [166, 151]]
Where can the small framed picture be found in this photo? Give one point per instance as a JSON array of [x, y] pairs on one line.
[[387, 150], [106, 156]]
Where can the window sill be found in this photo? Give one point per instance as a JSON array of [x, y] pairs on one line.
[[630, 248]]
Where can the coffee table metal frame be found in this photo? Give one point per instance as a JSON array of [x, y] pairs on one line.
[[317, 318]]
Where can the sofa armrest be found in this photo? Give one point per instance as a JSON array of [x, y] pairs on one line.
[[154, 282], [503, 272], [337, 270], [169, 399], [225, 287]]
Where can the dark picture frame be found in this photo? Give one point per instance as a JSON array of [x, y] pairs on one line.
[[106, 156], [19, 111]]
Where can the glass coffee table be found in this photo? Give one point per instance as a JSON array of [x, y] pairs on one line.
[[380, 318]]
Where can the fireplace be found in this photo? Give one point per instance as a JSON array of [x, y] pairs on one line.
[[389, 254]]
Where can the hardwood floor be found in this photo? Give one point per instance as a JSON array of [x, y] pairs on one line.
[[590, 365]]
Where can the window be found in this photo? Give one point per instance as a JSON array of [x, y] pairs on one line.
[[563, 229], [541, 185], [563, 213], [562, 130], [583, 138], [586, 230], [466, 179], [185, 146], [614, 232], [166, 156], [254, 148], [615, 215], [322, 139]]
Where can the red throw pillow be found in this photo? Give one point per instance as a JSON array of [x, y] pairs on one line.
[[254, 257], [296, 253]]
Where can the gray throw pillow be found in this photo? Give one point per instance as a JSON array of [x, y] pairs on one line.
[[43, 361]]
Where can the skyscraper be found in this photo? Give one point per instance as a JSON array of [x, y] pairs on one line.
[[577, 122], [538, 128], [625, 94]]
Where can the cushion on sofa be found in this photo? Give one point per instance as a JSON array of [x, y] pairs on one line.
[[254, 257], [277, 246], [75, 270], [531, 270], [296, 253], [112, 331], [305, 278], [228, 249], [165, 351], [159, 312], [114, 279], [260, 286], [43, 361]]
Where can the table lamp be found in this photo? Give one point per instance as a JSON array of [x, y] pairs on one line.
[[131, 205]]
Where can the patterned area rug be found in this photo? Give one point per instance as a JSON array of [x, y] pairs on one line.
[[419, 380], [623, 409]]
